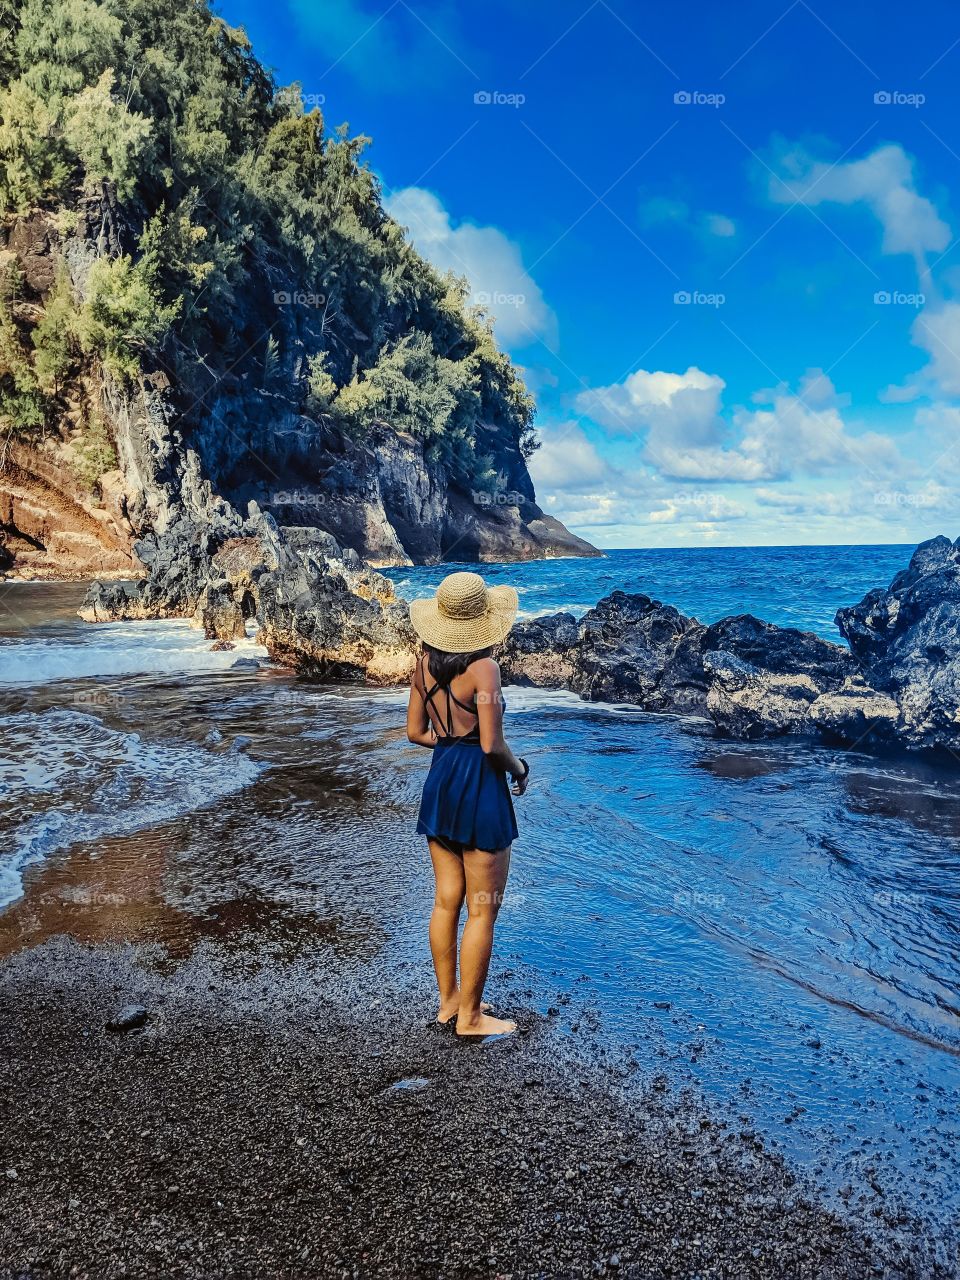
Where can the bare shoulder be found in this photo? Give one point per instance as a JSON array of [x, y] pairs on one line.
[[486, 673]]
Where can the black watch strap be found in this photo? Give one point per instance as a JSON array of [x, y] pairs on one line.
[[526, 771]]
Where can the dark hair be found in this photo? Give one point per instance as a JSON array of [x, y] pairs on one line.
[[445, 667]]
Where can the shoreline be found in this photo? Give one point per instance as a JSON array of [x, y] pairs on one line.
[[271, 1119], [258, 971]]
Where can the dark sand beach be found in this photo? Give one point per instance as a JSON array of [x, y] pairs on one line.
[[273, 1119]]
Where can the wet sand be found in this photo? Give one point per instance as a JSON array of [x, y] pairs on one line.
[[276, 1118]]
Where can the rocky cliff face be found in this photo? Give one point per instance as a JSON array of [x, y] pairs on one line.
[[51, 527], [237, 433]]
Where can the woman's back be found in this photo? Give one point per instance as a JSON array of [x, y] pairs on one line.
[[452, 708]]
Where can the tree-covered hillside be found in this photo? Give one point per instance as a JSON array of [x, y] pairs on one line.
[[248, 240]]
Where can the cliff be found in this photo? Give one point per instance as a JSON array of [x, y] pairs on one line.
[[199, 286], [72, 507]]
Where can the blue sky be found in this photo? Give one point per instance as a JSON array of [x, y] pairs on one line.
[[720, 241]]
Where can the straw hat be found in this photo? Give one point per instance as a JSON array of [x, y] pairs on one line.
[[465, 614]]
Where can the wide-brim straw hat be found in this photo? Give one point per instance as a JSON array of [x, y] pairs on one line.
[[465, 615]]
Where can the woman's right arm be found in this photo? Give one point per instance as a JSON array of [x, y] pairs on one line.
[[490, 716]]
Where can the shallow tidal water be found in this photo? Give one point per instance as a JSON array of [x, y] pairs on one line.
[[775, 923]]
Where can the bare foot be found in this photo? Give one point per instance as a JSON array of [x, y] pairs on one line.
[[483, 1025], [448, 1012]]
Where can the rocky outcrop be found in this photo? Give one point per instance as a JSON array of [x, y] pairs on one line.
[[751, 678], [906, 640], [898, 683], [318, 607]]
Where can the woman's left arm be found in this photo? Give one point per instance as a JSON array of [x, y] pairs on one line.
[[419, 728]]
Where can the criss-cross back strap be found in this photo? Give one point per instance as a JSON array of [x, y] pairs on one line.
[[429, 696]]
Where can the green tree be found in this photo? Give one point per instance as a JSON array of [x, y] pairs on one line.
[[107, 139], [123, 313], [229, 190], [21, 401], [34, 164], [54, 338]]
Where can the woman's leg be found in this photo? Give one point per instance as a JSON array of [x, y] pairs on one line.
[[447, 901], [486, 877]]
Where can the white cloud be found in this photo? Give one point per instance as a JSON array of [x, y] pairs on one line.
[[683, 407], [804, 432], [883, 180], [568, 461], [703, 508], [896, 394], [719, 225], [489, 259], [937, 331], [688, 438], [938, 437]]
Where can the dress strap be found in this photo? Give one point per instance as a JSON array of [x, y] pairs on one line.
[[429, 696]]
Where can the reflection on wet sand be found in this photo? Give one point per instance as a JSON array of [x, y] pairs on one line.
[[117, 894]]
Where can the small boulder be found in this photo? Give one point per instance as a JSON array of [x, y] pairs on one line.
[[129, 1018]]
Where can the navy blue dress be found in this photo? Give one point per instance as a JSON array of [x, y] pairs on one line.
[[466, 800]]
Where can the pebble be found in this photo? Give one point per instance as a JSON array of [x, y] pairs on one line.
[[128, 1018]]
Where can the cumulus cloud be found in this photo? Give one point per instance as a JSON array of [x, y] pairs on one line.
[[898, 394], [937, 331], [682, 406], [490, 260], [883, 180], [804, 432], [938, 441], [719, 224], [687, 437], [702, 508], [576, 483], [568, 461]]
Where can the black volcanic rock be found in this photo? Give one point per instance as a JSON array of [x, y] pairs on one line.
[[321, 610], [317, 606], [906, 640], [779, 650], [751, 678], [628, 647], [130, 1018]]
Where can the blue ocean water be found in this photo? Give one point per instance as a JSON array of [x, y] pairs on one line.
[[791, 586]]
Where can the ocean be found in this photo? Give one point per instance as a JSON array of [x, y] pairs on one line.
[[792, 586], [775, 924]]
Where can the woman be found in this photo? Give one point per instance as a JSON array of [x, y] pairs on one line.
[[456, 709]]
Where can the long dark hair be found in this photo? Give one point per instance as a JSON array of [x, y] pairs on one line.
[[445, 667]]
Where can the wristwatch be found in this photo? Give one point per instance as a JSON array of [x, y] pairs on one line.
[[520, 777]]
